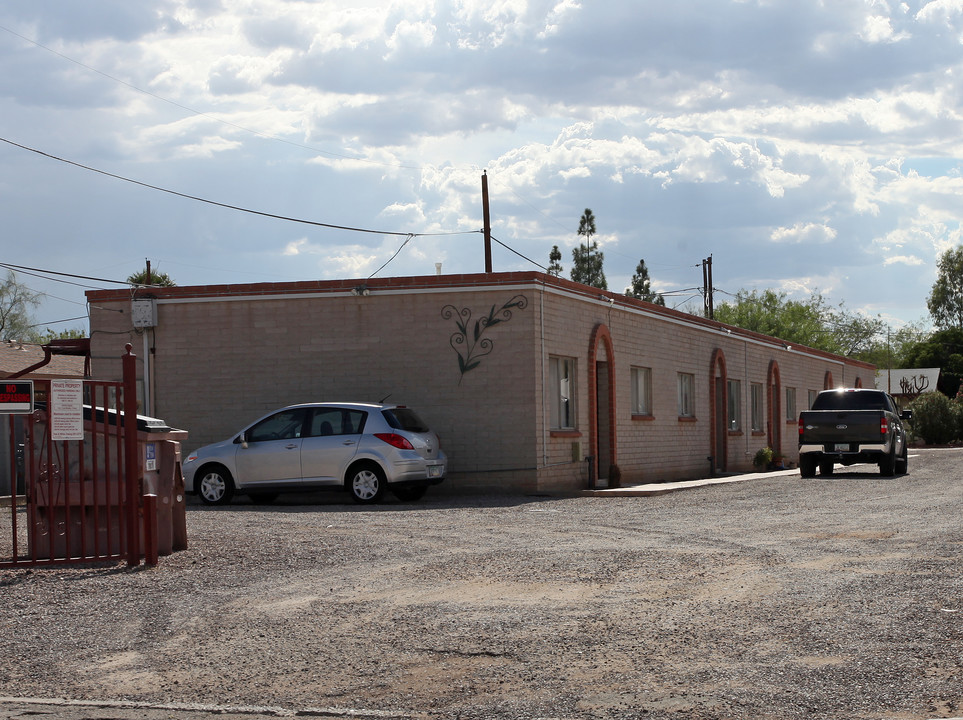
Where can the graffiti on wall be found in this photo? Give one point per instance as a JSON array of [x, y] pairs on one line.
[[470, 341]]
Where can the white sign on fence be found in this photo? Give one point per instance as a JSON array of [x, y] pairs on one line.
[[66, 409]]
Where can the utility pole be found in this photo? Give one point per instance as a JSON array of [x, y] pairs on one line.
[[488, 224], [707, 287]]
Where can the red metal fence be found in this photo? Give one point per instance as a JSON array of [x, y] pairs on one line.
[[78, 501]]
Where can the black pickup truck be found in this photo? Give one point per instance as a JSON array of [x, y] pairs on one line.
[[852, 425]]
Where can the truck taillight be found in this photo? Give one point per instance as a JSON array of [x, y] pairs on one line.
[[883, 426], [800, 426]]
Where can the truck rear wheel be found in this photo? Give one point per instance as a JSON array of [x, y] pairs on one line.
[[887, 464], [807, 466], [826, 467], [902, 462]]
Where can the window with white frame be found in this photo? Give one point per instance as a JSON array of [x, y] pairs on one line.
[[561, 372], [641, 391], [686, 395], [757, 412], [790, 403], [734, 409]]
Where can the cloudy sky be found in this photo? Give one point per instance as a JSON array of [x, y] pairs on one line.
[[805, 145]]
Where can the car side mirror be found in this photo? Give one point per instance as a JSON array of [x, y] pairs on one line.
[[242, 439]]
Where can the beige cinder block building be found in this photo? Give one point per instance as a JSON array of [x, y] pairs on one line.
[[534, 383]]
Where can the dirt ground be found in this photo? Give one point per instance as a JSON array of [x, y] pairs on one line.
[[835, 597]]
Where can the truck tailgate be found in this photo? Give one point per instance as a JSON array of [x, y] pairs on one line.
[[828, 427]]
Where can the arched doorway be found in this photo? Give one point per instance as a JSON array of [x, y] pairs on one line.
[[603, 440], [719, 411]]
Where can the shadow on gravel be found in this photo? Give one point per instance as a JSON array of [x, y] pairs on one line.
[[312, 502]]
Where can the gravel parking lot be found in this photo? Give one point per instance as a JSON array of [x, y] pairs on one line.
[[836, 597]]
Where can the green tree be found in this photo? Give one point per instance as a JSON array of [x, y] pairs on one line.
[[935, 418], [772, 313], [945, 302], [812, 322], [71, 334], [891, 347], [942, 349], [641, 288], [148, 276], [555, 262], [16, 300], [587, 259]]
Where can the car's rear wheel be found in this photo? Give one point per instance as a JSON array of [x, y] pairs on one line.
[[411, 493], [366, 483], [214, 485]]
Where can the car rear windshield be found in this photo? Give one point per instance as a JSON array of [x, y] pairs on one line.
[[404, 419], [850, 401]]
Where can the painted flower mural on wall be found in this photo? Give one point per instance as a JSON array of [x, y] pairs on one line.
[[470, 342]]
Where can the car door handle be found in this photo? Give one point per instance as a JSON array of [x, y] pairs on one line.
[[349, 442], [291, 446]]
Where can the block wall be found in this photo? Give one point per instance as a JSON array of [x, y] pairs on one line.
[[219, 364], [471, 355]]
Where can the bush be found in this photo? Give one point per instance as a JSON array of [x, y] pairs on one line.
[[763, 458], [936, 418]]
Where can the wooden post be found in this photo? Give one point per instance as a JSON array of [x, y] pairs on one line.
[[488, 224]]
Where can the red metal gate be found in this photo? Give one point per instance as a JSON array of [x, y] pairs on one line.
[[75, 500]]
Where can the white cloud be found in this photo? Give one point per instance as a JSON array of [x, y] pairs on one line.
[[910, 260], [754, 130], [808, 233], [944, 10]]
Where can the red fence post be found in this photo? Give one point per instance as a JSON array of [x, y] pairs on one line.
[[132, 479]]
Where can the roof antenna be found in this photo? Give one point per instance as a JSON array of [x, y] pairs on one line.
[[381, 401]]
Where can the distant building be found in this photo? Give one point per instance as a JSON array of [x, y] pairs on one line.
[[16, 356], [535, 383], [908, 384]]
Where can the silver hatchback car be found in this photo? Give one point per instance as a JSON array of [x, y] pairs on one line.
[[361, 447]]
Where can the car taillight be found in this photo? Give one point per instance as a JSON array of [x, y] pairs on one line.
[[395, 440]]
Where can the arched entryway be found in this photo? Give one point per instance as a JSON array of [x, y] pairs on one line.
[[774, 423], [719, 411], [603, 441], [828, 380]]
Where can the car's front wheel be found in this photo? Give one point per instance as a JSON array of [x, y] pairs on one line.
[[214, 485], [366, 483]]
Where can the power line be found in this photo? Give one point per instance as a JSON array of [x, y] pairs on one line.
[[33, 271], [225, 205], [57, 322], [510, 249]]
